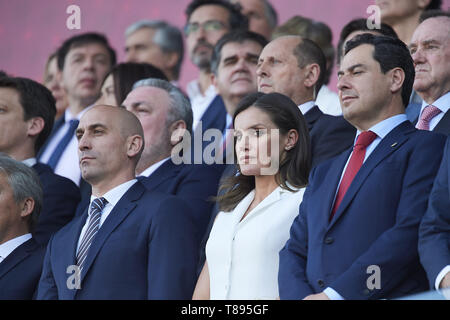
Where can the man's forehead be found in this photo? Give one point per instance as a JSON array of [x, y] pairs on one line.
[[234, 48], [281, 46], [209, 12], [362, 54], [146, 93], [90, 46], [437, 28]]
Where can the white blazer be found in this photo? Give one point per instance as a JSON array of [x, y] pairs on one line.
[[242, 255]]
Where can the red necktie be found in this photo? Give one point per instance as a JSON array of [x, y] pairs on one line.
[[359, 151]]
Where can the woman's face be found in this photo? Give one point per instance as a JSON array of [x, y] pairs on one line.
[[107, 93], [259, 143]]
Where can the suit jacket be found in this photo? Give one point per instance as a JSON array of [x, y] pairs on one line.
[[376, 223], [145, 249], [215, 116], [434, 236], [194, 183], [20, 271], [61, 197], [330, 135]]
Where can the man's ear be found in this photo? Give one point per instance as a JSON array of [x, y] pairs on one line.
[[177, 130], [397, 79], [312, 73], [26, 207], [35, 126], [135, 145]]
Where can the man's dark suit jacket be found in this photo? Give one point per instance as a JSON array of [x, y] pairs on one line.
[[434, 237], [61, 198], [376, 223], [330, 135], [194, 183], [20, 271], [145, 249]]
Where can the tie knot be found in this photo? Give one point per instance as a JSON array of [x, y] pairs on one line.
[[429, 112], [98, 204], [74, 123], [365, 138]]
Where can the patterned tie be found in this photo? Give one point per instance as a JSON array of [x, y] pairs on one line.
[[428, 113], [97, 206], [359, 151], [53, 161]]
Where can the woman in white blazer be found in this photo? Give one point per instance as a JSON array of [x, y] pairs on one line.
[[272, 151]]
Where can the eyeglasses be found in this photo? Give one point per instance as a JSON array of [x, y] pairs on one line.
[[208, 26]]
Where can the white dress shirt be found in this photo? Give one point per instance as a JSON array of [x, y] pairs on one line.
[[199, 101], [242, 256], [68, 163], [112, 196], [29, 162], [382, 129], [11, 245], [148, 172], [443, 104], [328, 101]]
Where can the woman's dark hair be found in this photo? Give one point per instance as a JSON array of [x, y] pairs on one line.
[[125, 75], [294, 167]]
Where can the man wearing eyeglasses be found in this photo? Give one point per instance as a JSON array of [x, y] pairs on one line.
[[207, 22]]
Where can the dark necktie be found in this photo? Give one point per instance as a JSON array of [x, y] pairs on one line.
[[97, 206], [53, 161], [359, 151]]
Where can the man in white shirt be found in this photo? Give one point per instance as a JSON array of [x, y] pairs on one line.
[[430, 50], [27, 111], [207, 22], [84, 61], [20, 255], [130, 243]]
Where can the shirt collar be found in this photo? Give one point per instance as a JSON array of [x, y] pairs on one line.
[[381, 129], [305, 107], [147, 172], [69, 116], [10, 245], [114, 195], [29, 162], [443, 103]]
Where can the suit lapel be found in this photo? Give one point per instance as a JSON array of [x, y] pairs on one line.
[[15, 257], [444, 125], [58, 123], [389, 144], [120, 211], [312, 116], [215, 115]]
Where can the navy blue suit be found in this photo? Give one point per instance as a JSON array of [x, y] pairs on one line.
[[194, 183], [215, 116], [61, 198], [20, 271], [443, 125], [376, 223], [330, 135], [434, 240], [145, 249]]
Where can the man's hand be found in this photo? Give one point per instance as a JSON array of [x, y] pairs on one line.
[[445, 283], [318, 296]]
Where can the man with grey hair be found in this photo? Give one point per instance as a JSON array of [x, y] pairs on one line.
[[20, 255], [158, 43], [262, 16], [165, 114]]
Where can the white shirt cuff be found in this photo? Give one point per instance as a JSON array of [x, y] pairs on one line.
[[441, 276], [332, 294]]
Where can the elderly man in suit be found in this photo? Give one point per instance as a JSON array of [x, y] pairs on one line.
[[357, 231], [434, 236], [165, 113], [430, 50], [130, 243], [296, 67], [27, 111], [20, 255]]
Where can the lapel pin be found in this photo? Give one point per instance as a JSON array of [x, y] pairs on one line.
[[394, 144]]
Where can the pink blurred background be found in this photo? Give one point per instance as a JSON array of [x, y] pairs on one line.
[[30, 30]]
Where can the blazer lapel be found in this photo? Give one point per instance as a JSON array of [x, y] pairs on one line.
[[312, 116], [20, 253], [58, 123], [120, 211], [444, 124], [389, 144]]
